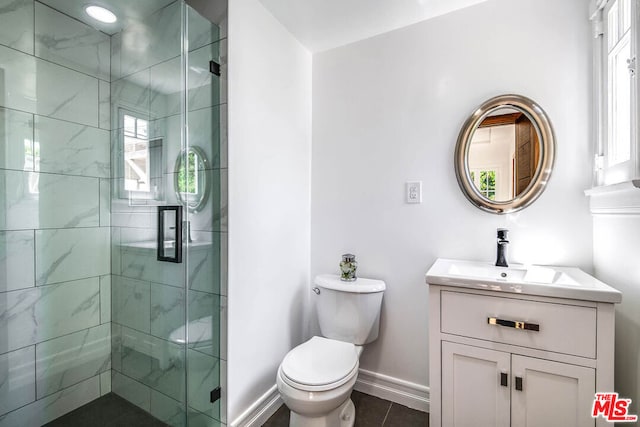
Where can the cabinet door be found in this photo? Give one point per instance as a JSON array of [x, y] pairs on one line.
[[553, 394], [472, 394]]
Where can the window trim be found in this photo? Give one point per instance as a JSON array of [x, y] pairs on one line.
[[135, 197], [478, 171], [603, 174]]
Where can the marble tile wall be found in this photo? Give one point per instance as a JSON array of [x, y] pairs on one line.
[[149, 298], [55, 269], [83, 310]]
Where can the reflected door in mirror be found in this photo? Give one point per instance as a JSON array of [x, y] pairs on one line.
[[504, 155], [527, 153]]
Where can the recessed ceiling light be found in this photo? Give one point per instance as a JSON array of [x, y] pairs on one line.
[[101, 14]]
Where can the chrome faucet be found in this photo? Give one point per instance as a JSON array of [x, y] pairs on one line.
[[501, 260]]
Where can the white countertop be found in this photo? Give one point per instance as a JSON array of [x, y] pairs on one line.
[[549, 281]]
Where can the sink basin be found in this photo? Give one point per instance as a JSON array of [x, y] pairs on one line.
[[517, 273], [560, 282]]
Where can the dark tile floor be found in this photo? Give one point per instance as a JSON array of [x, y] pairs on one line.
[[108, 411], [370, 412], [113, 411]]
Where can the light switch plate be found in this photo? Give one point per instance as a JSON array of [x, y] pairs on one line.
[[414, 192]]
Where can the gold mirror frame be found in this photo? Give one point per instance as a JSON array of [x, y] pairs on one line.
[[547, 154]]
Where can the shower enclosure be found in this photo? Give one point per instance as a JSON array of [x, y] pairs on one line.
[[112, 210]]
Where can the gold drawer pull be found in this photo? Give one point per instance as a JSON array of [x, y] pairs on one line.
[[513, 324]]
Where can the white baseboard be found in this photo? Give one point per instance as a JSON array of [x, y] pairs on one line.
[[399, 391], [261, 410], [405, 393]]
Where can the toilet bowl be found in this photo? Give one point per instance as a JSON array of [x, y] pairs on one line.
[[315, 381], [316, 378], [200, 333]]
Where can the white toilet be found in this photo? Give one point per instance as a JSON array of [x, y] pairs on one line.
[[316, 378]]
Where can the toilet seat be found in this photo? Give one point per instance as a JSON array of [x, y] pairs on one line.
[[320, 364]]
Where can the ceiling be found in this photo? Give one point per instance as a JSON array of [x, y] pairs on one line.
[[127, 11], [325, 24]]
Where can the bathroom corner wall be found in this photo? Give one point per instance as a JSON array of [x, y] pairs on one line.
[[54, 214], [388, 109], [616, 233], [269, 200], [149, 297]]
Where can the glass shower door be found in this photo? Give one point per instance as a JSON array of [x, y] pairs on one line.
[[148, 287], [202, 198], [165, 204]]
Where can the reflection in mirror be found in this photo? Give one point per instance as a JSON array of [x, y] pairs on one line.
[[504, 154], [191, 183]]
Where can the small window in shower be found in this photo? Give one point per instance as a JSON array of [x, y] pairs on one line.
[[137, 173], [140, 160]]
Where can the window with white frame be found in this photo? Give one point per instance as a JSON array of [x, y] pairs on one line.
[[137, 170], [616, 29], [140, 161], [485, 182]]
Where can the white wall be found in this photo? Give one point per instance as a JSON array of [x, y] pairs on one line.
[[389, 109], [269, 199], [615, 257]]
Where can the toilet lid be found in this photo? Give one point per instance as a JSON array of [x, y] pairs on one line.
[[320, 361]]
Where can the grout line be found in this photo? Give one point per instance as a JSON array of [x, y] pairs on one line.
[[84, 227], [35, 373], [34, 27], [53, 173], [99, 99], [64, 282], [70, 17], [97, 376], [51, 339], [32, 124], [100, 300], [148, 67], [52, 118], [49, 61], [62, 390], [35, 260], [387, 414]]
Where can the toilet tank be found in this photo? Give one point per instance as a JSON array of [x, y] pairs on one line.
[[349, 311]]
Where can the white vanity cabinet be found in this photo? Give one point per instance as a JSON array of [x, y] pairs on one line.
[[479, 388], [499, 357]]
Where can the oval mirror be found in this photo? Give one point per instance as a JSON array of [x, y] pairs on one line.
[[505, 154], [191, 181]]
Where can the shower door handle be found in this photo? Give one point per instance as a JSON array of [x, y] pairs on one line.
[[170, 233]]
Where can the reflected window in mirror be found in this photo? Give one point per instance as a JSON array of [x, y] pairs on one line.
[[140, 160], [485, 182], [504, 155], [188, 182], [192, 179]]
